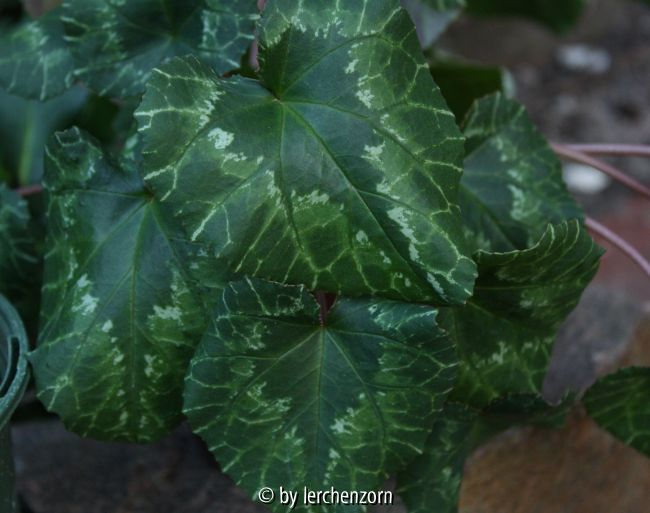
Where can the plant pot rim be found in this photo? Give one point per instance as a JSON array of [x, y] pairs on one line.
[[14, 371]]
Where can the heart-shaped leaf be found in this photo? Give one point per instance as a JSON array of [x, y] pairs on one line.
[[119, 321], [288, 395], [116, 43], [338, 170], [620, 404]]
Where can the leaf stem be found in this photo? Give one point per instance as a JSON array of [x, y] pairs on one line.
[[623, 150], [616, 174], [321, 299], [29, 190], [630, 251]]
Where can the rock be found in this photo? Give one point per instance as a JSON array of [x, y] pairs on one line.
[[578, 469], [58, 472]]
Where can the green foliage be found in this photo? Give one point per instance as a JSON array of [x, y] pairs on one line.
[[462, 83], [34, 59], [119, 322], [18, 257], [619, 403], [432, 480], [520, 299], [116, 44], [209, 232], [357, 149], [308, 398], [512, 186]]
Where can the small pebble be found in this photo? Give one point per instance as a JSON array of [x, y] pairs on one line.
[[584, 179], [584, 58]]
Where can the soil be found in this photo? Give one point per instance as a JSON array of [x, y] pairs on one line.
[[578, 469]]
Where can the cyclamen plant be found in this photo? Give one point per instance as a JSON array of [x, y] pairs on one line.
[[309, 261]]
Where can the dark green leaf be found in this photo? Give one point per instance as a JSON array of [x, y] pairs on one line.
[[286, 398], [506, 331], [34, 59], [117, 43], [26, 126], [558, 15], [512, 187], [431, 482], [620, 403], [18, 258], [119, 323], [461, 83], [340, 172]]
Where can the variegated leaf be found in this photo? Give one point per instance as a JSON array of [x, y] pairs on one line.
[[119, 322], [620, 403], [512, 187], [116, 43], [506, 331], [338, 170], [34, 59], [431, 482], [286, 395]]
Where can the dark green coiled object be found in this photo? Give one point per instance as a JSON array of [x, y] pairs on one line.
[[14, 375]]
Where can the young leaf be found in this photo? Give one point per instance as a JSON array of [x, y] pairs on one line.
[[620, 403], [339, 170], [287, 395], [18, 258], [34, 60], [119, 322], [506, 331], [512, 187], [558, 15], [431, 482], [116, 44]]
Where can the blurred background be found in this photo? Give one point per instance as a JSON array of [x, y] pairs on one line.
[[588, 85]]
